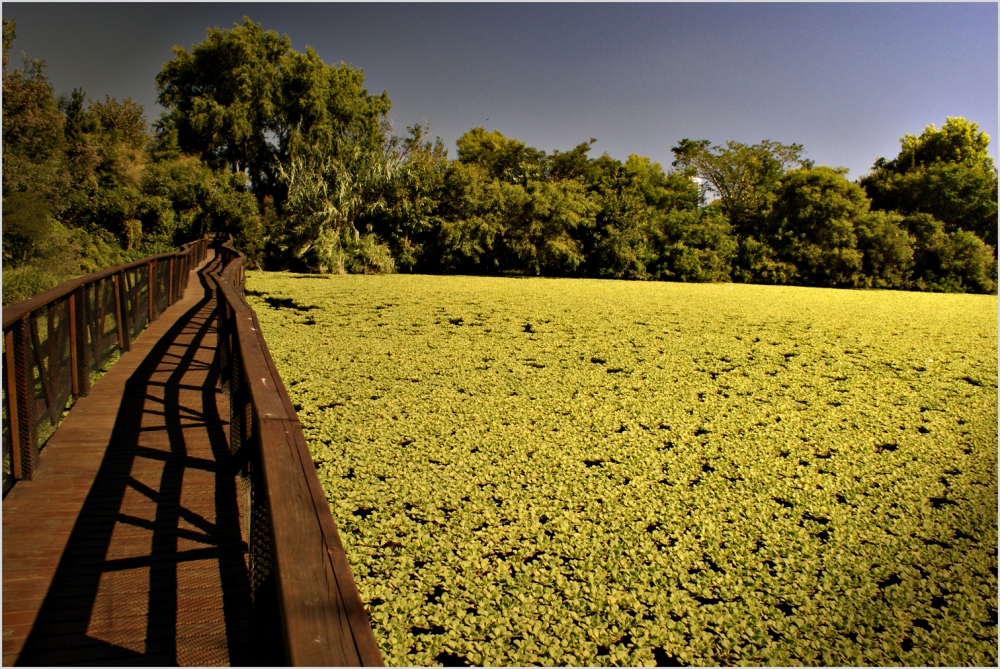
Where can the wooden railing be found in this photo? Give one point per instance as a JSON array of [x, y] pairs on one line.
[[57, 342], [298, 569]]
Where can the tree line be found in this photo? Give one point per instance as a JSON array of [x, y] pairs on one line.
[[299, 163], [87, 184]]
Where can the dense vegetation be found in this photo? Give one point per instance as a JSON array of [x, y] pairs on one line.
[[344, 194], [296, 160], [87, 185], [577, 472]]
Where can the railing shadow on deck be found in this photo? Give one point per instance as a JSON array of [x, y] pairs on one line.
[[303, 606], [57, 342], [66, 612]]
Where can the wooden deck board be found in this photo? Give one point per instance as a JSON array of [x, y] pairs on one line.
[[126, 547]]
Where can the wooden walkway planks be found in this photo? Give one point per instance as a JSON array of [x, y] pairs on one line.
[[126, 547]]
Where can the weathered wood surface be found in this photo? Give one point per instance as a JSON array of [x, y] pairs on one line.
[[323, 619], [126, 547]]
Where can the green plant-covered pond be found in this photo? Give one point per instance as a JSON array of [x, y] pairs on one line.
[[538, 471]]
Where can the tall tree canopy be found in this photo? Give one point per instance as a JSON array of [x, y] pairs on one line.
[[221, 98], [813, 225], [297, 160], [945, 173], [744, 177], [307, 135], [84, 187]]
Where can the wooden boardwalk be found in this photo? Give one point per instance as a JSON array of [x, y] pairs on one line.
[[126, 549]]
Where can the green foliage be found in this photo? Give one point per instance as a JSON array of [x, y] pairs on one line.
[[325, 199], [544, 233], [620, 247], [333, 163], [577, 472], [474, 211], [694, 245], [33, 139], [756, 262], [507, 160], [951, 262], [324, 111], [958, 141], [85, 188], [307, 135], [887, 248], [222, 98], [27, 225], [411, 217], [945, 173], [812, 226], [298, 162], [744, 177]]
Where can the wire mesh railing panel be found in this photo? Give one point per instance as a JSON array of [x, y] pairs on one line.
[[137, 299], [255, 515], [162, 271], [8, 447], [52, 368], [102, 324], [58, 343]]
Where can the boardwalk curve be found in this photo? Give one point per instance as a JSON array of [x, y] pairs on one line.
[[124, 542], [126, 548]]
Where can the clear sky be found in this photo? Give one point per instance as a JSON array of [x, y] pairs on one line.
[[845, 80]]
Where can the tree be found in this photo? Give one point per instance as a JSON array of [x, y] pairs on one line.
[[33, 141], [323, 110], [887, 248], [504, 159], [221, 98], [812, 226], [744, 177], [326, 196], [693, 245], [945, 261], [411, 219], [571, 164], [307, 135], [945, 173], [619, 245], [544, 234]]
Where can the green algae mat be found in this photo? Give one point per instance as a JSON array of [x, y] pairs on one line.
[[577, 472]]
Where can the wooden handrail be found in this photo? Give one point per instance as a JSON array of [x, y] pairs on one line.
[[19, 310], [323, 620], [75, 345]]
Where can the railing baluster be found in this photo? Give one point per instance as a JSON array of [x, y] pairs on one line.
[[82, 366], [149, 291], [121, 313], [27, 461], [74, 366], [13, 415]]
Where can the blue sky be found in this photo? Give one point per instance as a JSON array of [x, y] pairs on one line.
[[845, 80]]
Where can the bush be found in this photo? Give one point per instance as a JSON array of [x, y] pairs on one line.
[[950, 262]]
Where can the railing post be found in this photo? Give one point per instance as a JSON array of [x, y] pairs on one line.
[[170, 283], [26, 462], [121, 307], [82, 366], [74, 379], [10, 385], [118, 313]]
